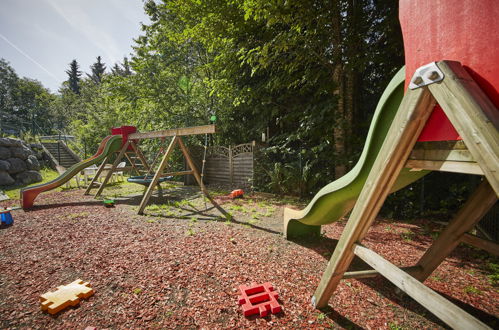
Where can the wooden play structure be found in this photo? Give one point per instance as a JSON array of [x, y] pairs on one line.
[[131, 150], [448, 121]]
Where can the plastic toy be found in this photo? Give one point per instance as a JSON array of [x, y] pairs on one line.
[[108, 202], [238, 193], [6, 217], [259, 299], [65, 296]]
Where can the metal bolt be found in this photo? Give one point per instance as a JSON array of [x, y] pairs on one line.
[[432, 75], [418, 80]]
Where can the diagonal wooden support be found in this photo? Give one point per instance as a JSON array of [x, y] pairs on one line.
[[113, 168], [132, 163], [96, 176], [139, 154], [473, 115], [472, 211], [435, 303], [484, 244], [196, 175], [411, 117], [157, 175]]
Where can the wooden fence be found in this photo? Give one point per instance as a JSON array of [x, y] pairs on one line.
[[228, 166]]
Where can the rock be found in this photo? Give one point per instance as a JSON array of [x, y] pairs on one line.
[[9, 142], [4, 165], [17, 165], [5, 179], [33, 163], [29, 177], [35, 146], [4, 153], [22, 152]]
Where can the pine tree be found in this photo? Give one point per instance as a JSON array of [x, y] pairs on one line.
[[74, 75], [127, 71], [98, 69], [117, 70], [122, 69]]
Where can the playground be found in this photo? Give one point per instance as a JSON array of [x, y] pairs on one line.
[[179, 267], [153, 251]]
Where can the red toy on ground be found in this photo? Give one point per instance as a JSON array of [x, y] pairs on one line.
[[236, 193], [259, 298]]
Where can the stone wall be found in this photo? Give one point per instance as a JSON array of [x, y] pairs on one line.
[[19, 162]]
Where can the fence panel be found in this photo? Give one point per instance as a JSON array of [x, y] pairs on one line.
[[232, 166]]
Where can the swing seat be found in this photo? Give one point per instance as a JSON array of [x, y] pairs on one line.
[[145, 180]]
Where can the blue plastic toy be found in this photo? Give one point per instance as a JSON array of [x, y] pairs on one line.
[[6, 217]]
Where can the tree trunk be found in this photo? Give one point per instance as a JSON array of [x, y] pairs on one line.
[[338, 75]]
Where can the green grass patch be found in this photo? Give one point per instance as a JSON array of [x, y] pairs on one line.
[[471, 289], [48, 174]]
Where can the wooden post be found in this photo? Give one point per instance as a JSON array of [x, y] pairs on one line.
[[113, 168], [473, 115], [231, 167], [196, 175], [485, 244], [435, 303], [139, 154], [96, 176], [410, 119], [158, 173], [134, 167], [472, 211]]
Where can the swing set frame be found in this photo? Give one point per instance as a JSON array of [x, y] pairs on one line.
[[131, 147]]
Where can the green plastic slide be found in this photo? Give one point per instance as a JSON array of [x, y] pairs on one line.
[[109, 145], [336, 199]]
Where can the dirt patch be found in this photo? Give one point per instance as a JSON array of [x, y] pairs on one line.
[[179, 266]]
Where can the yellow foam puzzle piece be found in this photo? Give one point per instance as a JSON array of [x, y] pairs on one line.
[[65, 296]]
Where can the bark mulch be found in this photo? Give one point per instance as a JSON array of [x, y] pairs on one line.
[[179, 267]]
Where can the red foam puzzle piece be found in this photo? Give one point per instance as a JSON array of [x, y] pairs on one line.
[[259, 298]]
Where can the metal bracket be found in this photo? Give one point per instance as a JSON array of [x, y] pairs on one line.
[[426, 75]]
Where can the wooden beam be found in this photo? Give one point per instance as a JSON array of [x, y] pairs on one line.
[[96, 176], [130, 160], [155, 179], [178, 173], [444, 166], [113, 168], [206, 129], [481, 243], [408, 123], [480, 202], [452, 315], [440, 154], [473, 115], [373, 273], [139, 154]]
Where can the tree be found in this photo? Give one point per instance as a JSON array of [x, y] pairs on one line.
[[309, 72], [98, 70], [127, 70], [116, 70], [122, 69], [74, 75], [8, 85]]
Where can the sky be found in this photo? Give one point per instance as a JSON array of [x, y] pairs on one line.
[[39, 38]]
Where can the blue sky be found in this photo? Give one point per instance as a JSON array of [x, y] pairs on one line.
[[41, 37]]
